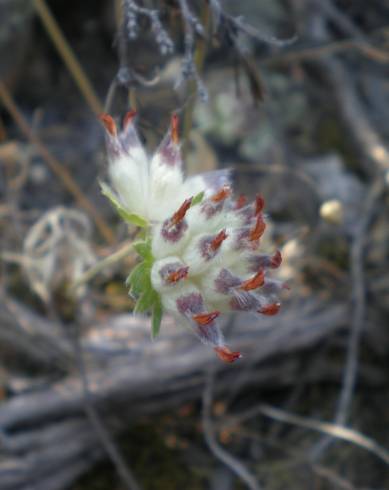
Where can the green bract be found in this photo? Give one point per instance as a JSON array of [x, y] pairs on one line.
[[132, 218], [197, 198], [139, 282]]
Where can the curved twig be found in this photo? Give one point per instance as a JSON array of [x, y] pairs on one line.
[[234, 464]]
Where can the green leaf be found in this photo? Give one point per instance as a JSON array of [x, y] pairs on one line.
[[156, 318], [146, 301], [144, 250], [132, 218], [197, 198], [139, 278]]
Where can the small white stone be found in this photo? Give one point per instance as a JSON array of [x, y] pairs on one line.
[[332, 212]]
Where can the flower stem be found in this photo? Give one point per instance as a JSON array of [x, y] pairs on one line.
[[97, 268]]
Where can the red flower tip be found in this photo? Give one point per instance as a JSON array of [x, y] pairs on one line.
[[128, 118], [108, 123], [241, 201], [174, 128], [276, 260], [221, 194], [177, 275], [179, 215], [218, 240], [255, 282], [259, 204], [257, 231], [270, 310], [226, 355], [205, 318]]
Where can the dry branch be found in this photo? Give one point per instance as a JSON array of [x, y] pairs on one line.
[[35, 424]]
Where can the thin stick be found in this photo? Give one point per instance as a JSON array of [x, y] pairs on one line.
[[68, 56], [376, 156], [233, 464], [357, 266], [108, 261], [55, 165], [101, 430], [358, 298], [334, 430], [314, 52], [347, 25], [199, 57]]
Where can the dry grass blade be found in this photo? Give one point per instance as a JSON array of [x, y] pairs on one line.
[[68, 56]]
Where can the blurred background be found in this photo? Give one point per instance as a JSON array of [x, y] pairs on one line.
[[293, 96]]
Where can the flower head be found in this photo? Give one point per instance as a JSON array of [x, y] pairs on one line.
[[201, 253]]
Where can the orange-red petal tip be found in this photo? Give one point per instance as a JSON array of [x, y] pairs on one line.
[[270, 310], [128, 118], [179, 215], [259, 204], [257, 231], [177, 275], [206, 318], [221, 194], [174, 128], [218, 240], [241, 201], [226, 355], [108, 123], [255, 282]]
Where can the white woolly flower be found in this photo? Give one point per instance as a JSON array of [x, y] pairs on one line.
[[200, 252]]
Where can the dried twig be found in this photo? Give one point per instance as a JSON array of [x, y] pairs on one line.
[[195, 84], [349, 27], [168, 373], [334, 479], [34, 338], [162, 37], [334, 430], [189, 69], [175, 354], [126, 13], [363, 132], [100, 428], [377, 156], [297, 457], [230, 461], [358, 311], [358, 249], [68, 56], [342, 433], [240, 24]]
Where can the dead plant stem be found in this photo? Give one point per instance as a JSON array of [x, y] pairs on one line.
[[199, 57], [68, 56]]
